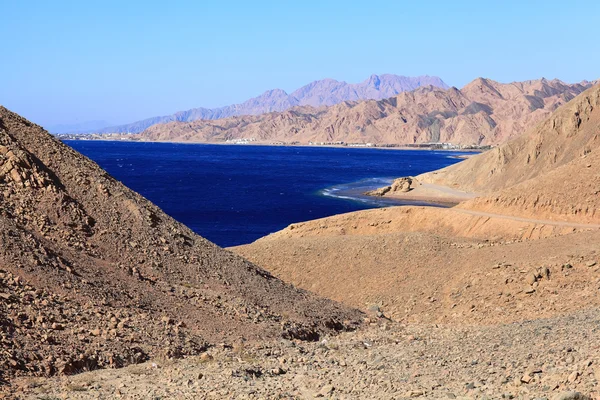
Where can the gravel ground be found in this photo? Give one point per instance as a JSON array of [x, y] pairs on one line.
[[531, 360]]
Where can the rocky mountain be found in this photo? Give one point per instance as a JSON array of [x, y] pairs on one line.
[[325, 92], [551, 171], [328, 92], [93, 275], [484, 112]]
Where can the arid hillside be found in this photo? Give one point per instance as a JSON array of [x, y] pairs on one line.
[[93, 275], [550, 172], [572, 132], [427, 275], [484, 112]]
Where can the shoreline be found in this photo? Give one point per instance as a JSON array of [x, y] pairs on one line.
[[398, 201], [430, 193], [260, 144]]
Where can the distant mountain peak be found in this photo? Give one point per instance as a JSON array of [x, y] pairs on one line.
[[374, 81], [275, 92]]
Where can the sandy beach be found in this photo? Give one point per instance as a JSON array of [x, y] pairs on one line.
[[428, 192]]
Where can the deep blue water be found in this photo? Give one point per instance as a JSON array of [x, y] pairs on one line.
[[235, 194]]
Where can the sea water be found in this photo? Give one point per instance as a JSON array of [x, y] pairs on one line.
[[235, 194]]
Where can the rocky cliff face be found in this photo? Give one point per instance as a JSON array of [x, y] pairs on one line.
[[325, 92], [93, 275], [483, 112]]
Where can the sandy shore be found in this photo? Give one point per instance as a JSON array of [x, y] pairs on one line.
[[432, 193]]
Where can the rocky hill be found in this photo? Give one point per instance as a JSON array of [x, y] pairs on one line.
[[551, 171], [93, 275], [484, 112], [324, 92]]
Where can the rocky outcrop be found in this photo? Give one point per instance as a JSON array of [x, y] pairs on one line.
[[18, 170], [400, 185]]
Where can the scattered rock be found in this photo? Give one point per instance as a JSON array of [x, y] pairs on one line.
[[570, 396], [531, 278], [326, 391]]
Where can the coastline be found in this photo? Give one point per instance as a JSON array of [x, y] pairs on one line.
[[265, 144], [397, 201], [422, 195]]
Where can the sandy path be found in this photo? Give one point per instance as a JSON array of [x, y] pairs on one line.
[[521, 219]]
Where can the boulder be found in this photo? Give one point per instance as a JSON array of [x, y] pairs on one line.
[[402, 185]]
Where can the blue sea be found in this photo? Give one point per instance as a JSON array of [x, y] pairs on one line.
[[236, 194]]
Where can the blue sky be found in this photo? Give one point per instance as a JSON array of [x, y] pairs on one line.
[[120, 61]]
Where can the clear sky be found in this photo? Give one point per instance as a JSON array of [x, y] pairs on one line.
[[65, 62]]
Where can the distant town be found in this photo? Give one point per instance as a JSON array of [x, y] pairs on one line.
[[254, 141]]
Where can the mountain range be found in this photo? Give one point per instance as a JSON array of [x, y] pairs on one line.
[[483, 112], [325, 92]]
